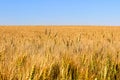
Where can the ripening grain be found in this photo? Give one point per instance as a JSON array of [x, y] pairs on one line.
[[59, 53]]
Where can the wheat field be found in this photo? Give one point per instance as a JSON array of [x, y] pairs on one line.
[[59, 53]]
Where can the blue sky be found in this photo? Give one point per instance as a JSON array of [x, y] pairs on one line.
[[59, 12]]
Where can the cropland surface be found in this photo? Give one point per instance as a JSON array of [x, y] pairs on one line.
[[59, 53]]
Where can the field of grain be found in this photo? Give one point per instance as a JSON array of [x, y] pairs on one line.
[[59, 53]]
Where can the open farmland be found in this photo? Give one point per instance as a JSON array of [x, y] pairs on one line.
[[59, 53]]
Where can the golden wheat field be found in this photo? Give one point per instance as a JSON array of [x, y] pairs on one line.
[[59, 53]]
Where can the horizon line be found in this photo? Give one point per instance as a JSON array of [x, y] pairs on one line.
[[65, 25]]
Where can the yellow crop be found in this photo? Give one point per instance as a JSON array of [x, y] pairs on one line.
[[59, 53]]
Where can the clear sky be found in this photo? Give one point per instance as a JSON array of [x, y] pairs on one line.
[[59, 12]]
